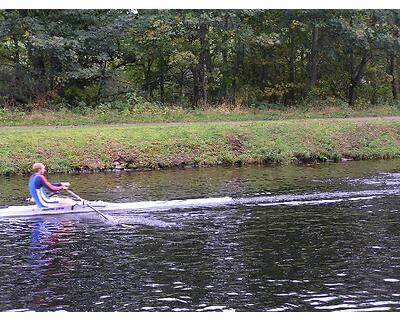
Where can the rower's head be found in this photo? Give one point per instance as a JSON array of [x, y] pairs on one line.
[[38, 168]]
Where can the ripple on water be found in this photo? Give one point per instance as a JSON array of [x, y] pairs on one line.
[[329, 256], [391, 280], [212, 308]]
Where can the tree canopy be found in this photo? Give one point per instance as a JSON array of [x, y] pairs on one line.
[[198, 57]]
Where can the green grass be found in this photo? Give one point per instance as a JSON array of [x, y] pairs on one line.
[[157, 146], [155, 114]]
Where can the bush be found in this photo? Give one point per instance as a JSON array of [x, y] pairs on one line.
[[396, 104], [86, 94], [328, 102], [271, 106]]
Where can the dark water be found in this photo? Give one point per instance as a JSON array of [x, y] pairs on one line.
[[321, 238]]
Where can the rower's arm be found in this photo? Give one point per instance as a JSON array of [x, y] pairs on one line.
[[50, 186]]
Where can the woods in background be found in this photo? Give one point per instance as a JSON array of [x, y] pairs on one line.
[[189, 58]]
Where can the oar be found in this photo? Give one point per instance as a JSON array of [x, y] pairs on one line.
[[88, 204], [91, 207]]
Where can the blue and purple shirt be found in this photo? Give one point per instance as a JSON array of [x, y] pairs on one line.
[[37, 186]]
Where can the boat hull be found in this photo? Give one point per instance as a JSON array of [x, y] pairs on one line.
[[33, 210]]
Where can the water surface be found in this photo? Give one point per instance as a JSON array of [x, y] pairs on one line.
[[315, 238]]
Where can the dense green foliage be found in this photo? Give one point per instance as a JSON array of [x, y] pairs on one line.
[[253, 58], [182, 145]]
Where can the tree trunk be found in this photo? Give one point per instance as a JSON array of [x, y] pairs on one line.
[[224, 52], [395, 80], [18, 89], [195, 99], [235, 75], [181, 81], [101, 82], [314, 56], [209, 77], [202, 62], [162, 79], [148, 85], [356, 78], [374, 93], [292, 67]]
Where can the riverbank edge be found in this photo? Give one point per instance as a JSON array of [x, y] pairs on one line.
[[155, 147]]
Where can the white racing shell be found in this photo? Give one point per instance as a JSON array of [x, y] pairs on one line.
[[33, 210]]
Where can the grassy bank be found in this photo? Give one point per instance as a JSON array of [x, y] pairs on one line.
[[180, 145], [152, 114]]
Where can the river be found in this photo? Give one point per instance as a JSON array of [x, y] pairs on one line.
[[294, 238]]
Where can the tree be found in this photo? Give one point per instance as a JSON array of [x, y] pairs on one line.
[[61, 49], [199, 57]]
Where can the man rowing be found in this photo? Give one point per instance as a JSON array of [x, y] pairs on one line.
[[38, 185]]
